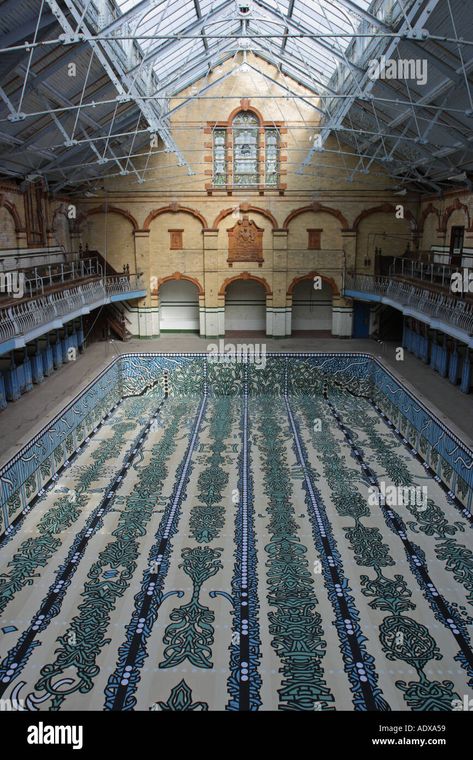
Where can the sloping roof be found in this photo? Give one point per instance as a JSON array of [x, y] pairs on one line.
[[80, 98]]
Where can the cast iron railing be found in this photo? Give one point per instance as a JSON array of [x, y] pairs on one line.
[[26, 316], [440, 306]]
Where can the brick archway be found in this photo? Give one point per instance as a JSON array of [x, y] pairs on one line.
[[244, 276], [12, 210], [246, 107], [384, 208], [104, 208], [431, 209], [310, 276], [178, 276], [174, 208], [457, 205], [317, 208], [245, 208]]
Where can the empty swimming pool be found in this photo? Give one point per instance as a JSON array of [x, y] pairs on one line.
[[197, 535]]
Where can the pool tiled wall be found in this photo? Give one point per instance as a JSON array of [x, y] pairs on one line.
[[444, 452], [32, 469], [36, 464]]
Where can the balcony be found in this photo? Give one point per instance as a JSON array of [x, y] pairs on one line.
[[24, 320], [43, 280], [431, 268], [440, 310]]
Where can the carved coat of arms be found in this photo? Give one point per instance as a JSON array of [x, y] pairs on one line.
[[245, 242]]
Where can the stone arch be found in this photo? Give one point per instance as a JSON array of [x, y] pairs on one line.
[[430, 209], [386, 208], [178, 276], [317, 208], [174, 208], [457, 205], [310, 276], [13, 211], [246, 107], [245, 208], [244, 276], [104, 208]]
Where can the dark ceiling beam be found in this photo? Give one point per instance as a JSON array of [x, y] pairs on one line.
[[26, 30]]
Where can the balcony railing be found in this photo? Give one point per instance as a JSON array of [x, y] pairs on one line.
[[433, 269], [24, 317], [38, 280], [453, 311]]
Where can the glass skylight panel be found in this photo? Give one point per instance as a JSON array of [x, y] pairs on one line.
[[276, 18]]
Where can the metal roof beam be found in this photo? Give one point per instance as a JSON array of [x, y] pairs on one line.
[[287, 89], [139, 9], [364, 14], [290, 11], [202, 91], [77, 149], [303, 67], [414, 20], [440, 89], [26, 29], [199, 15], [426, 152], [126, 90], [196, 26], [180, 73], [292, 24]]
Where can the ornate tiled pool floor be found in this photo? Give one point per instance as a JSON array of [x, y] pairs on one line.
[[221, 552]]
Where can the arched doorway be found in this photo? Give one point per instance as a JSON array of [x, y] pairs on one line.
[[178, 306], [311, 308], [245, 307]]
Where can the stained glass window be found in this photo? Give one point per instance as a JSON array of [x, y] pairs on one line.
[[245, 149], [271, 157], [246, 153], [220, 157]]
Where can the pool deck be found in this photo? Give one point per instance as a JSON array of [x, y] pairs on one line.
[[21, 420]]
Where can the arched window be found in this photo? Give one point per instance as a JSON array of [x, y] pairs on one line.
[[245, 150], [254, 160]]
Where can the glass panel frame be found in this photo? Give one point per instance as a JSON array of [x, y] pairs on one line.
[[246, 149], [220, 163], [272, 157]]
